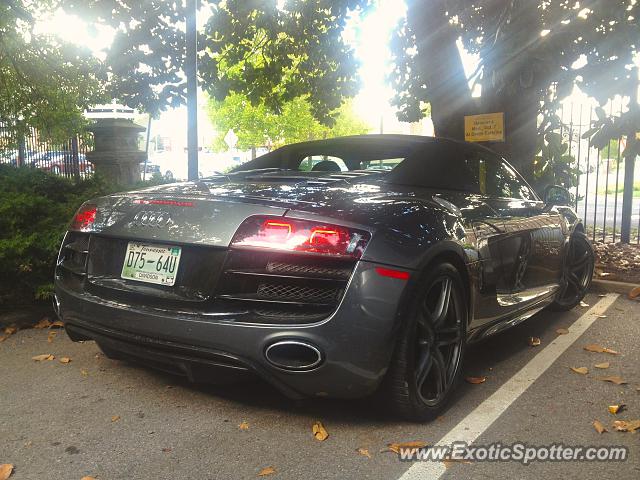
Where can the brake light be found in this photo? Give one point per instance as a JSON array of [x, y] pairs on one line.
[[84, 218], [300, 236]]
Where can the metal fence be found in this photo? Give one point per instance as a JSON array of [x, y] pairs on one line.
[[600, 183], [67, 158]]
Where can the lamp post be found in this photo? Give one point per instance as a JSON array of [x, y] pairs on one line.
[[191, 71]]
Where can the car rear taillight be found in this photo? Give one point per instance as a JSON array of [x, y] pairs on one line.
[[84, 218], [279, 233]]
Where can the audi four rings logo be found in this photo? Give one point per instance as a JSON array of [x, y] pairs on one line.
[[152, 219]]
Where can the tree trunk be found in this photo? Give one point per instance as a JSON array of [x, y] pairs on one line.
[[439, 64]]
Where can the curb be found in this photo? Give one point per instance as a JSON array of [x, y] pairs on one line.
[[612, 286]]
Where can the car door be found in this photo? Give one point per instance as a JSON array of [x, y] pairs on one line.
[[531, 246]]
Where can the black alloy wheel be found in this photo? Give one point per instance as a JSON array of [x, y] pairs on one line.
[[427, 361], [577, 272]]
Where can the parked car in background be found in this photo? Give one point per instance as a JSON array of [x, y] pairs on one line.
[[61, 162]]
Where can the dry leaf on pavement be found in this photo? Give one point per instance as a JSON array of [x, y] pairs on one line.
[[449, 462], [634, 293], [580, 370], [10, 330], [364, 452], [43, 357], [44, 323], [583, 304], [626, 426], [51, 336], [65, 360], [599, 426], [476, 380], [115, 418], [3, 338], [534, 341], [614, 409], [602, 365], [602, 316], [84, 373], [243, 426], [88, 478], [396, 447], [319, 432], [266, 471], [593, 347], [5, 471], [613, 379], [57, 324], [562, 331]]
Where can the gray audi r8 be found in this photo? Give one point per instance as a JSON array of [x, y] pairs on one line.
[[332, 268]]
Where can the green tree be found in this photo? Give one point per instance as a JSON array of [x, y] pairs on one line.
[[258, 126], [44, 82], [272, 52]]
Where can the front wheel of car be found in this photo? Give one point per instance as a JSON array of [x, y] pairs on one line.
[[577, 272], [427, 361]]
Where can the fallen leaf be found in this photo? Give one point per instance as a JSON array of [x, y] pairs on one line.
[[562, 331], [449, 462], [319, 432], [84, 373], [10, 330], [65, 360], [476, 380], [51, 336], [88, 478], [602, 365], [166, 449], [243, 426], [593, 347], [43, 357], [583, 304], [364, 452], [57, 324], [534, 341], [5, 471], [599, 426], [3, 338], [614, 409], [266, 471], [44, 323], [626, 426], [396, 447], [613, 379], [602, 316], [115, 418], [634, 293], [580, 370]]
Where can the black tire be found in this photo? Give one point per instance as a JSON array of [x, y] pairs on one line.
[[577, 272], [423, 397]]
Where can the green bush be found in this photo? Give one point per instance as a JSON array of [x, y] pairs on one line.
[[35, 210]]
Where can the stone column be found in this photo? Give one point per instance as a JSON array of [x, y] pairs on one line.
[[116, 155]]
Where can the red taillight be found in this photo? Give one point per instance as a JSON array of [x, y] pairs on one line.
[[84, 218], [300, 236]]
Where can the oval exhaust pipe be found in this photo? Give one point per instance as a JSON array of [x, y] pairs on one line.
[[293, 355]]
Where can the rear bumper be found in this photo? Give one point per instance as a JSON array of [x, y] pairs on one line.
[[356, 341]]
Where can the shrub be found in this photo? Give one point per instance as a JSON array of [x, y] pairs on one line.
[[35, 210]]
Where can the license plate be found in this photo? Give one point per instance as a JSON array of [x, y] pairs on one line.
[[151, 263]]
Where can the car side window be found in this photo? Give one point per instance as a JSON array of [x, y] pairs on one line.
[[498, 179]]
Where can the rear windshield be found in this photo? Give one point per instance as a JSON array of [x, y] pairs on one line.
[[340, 156]]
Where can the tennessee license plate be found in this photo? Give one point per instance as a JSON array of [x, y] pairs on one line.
[[151, 263]]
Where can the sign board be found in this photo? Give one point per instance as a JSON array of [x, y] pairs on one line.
[[486, 127], [231, 139]]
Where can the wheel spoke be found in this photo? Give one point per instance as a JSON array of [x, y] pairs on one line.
[[425, 364], [442, 307], [440, 367]]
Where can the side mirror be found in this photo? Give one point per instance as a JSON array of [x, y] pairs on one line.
[[555, 195]]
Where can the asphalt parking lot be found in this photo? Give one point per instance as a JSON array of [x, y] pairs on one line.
[[113, 420]]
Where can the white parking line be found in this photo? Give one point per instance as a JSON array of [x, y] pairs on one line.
[[480, 419]]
